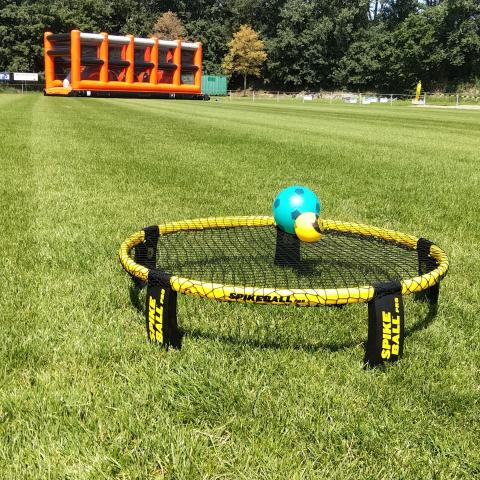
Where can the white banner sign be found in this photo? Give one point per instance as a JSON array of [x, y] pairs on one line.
[[27, 77]]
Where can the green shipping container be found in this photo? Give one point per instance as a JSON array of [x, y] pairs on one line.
[[214, 84]]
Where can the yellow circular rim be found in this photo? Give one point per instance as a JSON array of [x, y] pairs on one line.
[[279, 296]]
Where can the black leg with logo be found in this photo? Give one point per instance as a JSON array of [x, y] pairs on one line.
[[385, 325], [161, 299], [161, 315]]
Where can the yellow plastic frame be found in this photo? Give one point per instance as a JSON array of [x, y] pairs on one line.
[[275, 295]]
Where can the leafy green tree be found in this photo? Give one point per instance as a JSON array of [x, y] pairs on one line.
[[262, 15], [215, 43], [298, 54], [419, 51], [394, 60], [21, 33], [395, 12], [363, 65], [311, 39], [462, 29]]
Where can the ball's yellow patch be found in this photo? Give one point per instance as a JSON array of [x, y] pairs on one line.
[[307, 227]]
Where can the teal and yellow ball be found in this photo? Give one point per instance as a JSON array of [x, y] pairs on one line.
[[308, 227], [290, 203]]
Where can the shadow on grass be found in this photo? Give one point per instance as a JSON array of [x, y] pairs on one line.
[[425, 322], [198, 333], [134, 292], [272, 344]]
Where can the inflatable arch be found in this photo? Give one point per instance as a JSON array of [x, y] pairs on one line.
[[79, 63]]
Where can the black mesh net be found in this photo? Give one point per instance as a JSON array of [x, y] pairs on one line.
[[260, 257]]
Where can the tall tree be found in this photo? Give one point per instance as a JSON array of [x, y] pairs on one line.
[[462, 27], [298, 54], [393, 58], [397, 11], [246, 54], [169, 27], [310, 40]]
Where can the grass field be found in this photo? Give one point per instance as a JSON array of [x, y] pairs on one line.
[[256, 392]]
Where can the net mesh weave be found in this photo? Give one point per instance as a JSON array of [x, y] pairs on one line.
[[246, 256]]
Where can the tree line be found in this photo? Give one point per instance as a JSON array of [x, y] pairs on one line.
[[382, 45]]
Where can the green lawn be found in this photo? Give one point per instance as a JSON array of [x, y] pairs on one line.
[[256, 392]]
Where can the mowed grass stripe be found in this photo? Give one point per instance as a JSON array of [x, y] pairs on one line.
[[304, 118], [256, 392], [17, 214]]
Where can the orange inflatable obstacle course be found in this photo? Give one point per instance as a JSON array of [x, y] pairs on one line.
[[93, 64]]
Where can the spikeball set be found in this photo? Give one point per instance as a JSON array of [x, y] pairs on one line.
[[293, 258]]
